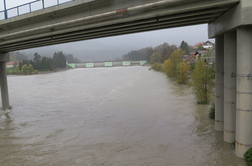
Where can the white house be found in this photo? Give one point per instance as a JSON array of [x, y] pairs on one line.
[[11, 64], [208, 45]]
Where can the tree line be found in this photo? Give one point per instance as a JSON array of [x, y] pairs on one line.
[[40, 64], [164, 50], [199, 76]]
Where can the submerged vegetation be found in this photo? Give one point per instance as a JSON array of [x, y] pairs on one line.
[[248, 157], [202, 81], [212, 111], [199, 75]]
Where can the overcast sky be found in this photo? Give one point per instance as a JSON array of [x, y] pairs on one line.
[[190, 34]]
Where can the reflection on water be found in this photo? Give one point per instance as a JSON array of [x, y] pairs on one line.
[[108, 116]]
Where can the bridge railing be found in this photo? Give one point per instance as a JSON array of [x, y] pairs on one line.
[[30, 7]]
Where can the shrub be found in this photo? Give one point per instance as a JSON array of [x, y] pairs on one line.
[[35, 72], [159, 67], [154, 66], [248, 157], [24, 69], [212, 111], [30, 68]]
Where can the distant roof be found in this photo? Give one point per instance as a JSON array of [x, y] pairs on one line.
[[200, 43], [12, 63], [185, 56], [190, 57], [208, 42]]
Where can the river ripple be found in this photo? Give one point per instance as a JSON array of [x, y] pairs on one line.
[[123, 116]]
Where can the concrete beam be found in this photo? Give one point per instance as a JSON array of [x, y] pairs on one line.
[[239, 15], [100, 14], [49, 41]]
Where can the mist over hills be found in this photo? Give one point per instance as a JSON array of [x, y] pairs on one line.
[[94, 50]]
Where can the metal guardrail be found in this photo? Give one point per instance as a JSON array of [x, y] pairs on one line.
[[29, 7]]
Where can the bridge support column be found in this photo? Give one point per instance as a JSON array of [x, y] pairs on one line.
[[3, 81], [244, 90], [219, 83], [229, 86]]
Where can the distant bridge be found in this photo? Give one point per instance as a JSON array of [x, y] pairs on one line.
[[107, 64], [229, 22]]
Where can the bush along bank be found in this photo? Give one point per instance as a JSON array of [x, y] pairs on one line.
[[248, 157], [199, 76]]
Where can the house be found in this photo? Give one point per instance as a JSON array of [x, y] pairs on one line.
[[185, 57], [11, 64], [193, 58], [197, 45], [208, 45]]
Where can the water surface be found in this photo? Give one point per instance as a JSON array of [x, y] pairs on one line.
[[123, 116]]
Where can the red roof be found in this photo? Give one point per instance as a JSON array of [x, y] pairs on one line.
[[190, 57], [198, 44], [12, 63]]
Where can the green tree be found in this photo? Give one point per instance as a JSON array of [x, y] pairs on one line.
[[30, 68], [202, 81], [24, 69], [184, 46], [20, 65], [17, 70], [155, 57]]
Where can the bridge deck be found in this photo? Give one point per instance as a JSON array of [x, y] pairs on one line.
[[90, 19]]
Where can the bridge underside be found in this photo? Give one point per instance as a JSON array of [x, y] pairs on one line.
[[78, 20]]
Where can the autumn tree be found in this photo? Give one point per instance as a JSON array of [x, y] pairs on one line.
[[177, 69], [202, 81], [171, 64], [155, 57], [167, 51], [184, 70]]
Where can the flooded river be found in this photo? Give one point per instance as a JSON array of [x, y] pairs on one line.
[[123, 116]]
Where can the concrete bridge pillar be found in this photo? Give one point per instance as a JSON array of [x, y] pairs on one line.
[[4, 57], [219, 83], [229, 86], [244, 90]]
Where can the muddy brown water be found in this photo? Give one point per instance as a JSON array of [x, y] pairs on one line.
[[123, 116]]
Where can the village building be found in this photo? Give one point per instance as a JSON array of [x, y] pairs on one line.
[[195, 47], [12, 64], [208, 45], [185, 57]]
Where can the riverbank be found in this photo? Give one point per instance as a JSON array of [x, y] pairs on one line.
[[40, 72], [57, 70]]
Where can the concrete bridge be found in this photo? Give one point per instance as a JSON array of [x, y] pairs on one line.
[[107, 64], [230, 23]]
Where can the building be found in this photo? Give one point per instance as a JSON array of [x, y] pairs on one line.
[[197, 45], [185, 57], [11, 64], [193, 58], [208, 45]]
